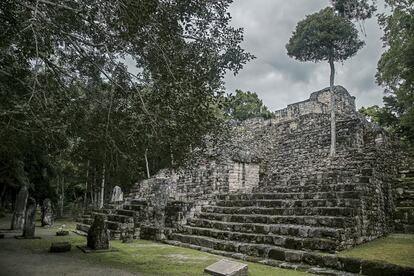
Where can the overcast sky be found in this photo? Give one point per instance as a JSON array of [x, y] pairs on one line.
[[280, 80]]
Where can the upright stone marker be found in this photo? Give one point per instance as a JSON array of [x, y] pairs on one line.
[[117, 195], [227, 268], [30, 219], [98, 238], [20, 209], [47, 213]]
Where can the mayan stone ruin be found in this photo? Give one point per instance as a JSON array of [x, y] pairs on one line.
[[268, 190]]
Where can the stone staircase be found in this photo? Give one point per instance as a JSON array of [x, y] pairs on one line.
[[119, 218], [297, 227]]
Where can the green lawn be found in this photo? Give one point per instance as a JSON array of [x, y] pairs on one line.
[[145, 257], [396, 248], [151, 258]]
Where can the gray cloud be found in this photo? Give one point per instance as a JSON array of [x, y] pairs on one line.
[[280, 80]]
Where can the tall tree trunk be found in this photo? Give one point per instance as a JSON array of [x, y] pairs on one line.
[[93, 187], [146, 163], [332, 107], [101, 202], [3, 192], [85, 197], [62, 196]]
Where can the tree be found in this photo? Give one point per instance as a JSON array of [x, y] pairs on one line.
[[245, 105], [355, 9], [323, 36], [395, 71], [65, 84]]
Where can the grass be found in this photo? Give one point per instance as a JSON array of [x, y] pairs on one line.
[[145, 257], [396, 248], [151, 258]]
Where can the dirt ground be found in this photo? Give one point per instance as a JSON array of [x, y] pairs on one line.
[[16, 259]]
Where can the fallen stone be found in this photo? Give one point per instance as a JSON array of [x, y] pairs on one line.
[[62, 233], [58, 247], [227, 268]]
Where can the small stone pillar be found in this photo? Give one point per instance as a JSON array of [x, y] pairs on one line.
[[20, 209], [98, 238], [117, 195], [30, 219], [47, 213]]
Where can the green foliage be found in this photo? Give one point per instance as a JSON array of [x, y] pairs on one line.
[[66, 90], [245, 105], [324, 36], [396, 66], [355, 9], [380, 115]]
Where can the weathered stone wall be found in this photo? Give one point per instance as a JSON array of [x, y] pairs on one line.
[[318, 103], [404, 196], [290, 153]]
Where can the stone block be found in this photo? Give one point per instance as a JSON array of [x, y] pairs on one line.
[[293, 256], [62, 233], [277, 254], [227, 268], [350, 264]]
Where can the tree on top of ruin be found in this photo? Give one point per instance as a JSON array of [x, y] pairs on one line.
[[324, 36]]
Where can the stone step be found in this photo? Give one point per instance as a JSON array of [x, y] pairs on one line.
[[277, 229], [313, 268], [102, 212], [293, 195], [116, 225], [85, 220], [82, 227], [299, 211], [124, 212], [328, 187], [334, 222], [133, 207], [254, 238], [113, 229], [286, 203], [254, 250], [141, 202], [120, 218]]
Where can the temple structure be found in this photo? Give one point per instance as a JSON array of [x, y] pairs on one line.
[[268, 189]]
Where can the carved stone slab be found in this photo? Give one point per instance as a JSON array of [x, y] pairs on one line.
[[227, 268]]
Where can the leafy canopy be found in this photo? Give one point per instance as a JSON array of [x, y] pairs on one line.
[[355, 9], [324, 36], [245, 105], [65, 88], [395, 69]]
